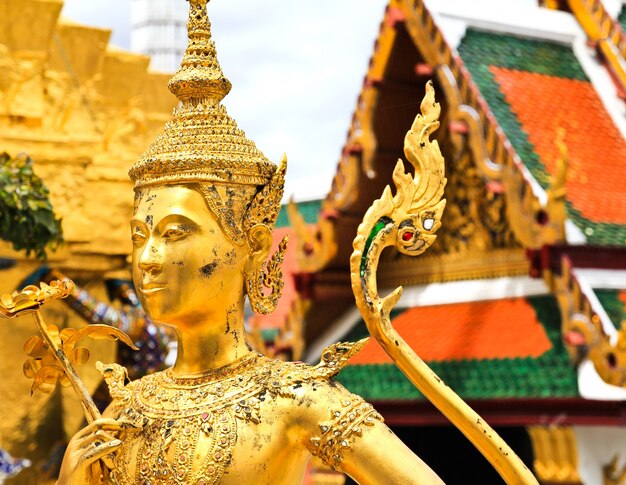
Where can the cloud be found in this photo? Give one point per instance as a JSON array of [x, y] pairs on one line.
[[296, 66]]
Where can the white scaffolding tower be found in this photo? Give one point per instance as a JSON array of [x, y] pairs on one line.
[[159, 30]]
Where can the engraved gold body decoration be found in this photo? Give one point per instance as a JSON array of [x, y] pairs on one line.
[[190, 425], [408, 221]]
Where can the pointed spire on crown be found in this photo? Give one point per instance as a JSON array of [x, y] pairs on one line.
[[200, 75]]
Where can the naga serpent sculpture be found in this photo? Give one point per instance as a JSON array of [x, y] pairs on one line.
[[408, 221]]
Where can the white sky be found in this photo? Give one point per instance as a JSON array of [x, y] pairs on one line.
[[296, 68]]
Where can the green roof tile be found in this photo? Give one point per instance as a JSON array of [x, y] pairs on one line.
[[310, 210], [622, 18], [550, 375], [613, 305]]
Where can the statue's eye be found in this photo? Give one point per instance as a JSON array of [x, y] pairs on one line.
[[174, 233], [428, 224], [138, 238]]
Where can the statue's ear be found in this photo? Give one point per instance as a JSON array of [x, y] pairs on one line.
[[260, 241]]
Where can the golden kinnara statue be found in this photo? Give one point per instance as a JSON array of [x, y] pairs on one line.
[[206, 200]]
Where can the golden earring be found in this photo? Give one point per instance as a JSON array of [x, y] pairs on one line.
[[269, 276]]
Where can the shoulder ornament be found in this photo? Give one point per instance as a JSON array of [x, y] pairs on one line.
[[335, 357], [116, 378]]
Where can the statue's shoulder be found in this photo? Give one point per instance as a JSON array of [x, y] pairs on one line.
[[331, 417], [287, 377]]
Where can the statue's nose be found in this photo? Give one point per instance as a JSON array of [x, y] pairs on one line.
[[151, 260]]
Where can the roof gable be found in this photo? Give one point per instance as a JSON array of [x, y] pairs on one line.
[[535, 87]]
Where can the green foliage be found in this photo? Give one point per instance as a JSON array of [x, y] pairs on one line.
[[27, 219]]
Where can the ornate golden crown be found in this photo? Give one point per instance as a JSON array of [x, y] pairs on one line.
[[202, 143]]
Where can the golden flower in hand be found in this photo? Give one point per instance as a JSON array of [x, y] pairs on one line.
[[43, 366], [32, 297]]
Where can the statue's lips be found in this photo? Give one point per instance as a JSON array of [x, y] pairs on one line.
[[151, 288]]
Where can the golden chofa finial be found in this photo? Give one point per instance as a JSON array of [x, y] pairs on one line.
[[200, 75]]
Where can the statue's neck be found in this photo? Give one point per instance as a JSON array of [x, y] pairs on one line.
[[211, 343]]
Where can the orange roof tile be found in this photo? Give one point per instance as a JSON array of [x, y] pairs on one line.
[[622, 297], [498, 329], [596, 148]]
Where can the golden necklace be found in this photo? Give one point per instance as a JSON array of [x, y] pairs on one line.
[[188, 420]]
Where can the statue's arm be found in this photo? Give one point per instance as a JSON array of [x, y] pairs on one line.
[[379, 456], [347, 434]]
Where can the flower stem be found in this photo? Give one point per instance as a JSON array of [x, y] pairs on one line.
[[89, 407]]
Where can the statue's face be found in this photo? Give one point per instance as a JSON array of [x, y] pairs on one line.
[[184, 267]]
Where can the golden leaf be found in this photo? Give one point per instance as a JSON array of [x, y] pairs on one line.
[[66, 333], [35, 347], [46, 379], [79, 355], [24, 303], [99, 332], [32, 297], [44, 366], [30, 368]]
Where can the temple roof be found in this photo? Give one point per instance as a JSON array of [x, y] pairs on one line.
[[309, 209], [523, 89], [508, 348], [534, 87]]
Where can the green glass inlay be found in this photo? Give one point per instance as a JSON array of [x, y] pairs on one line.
[[310, 210], [550, 375], [382, 222], [481, 50]]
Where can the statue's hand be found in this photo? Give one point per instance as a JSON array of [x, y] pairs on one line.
[[94, 442]]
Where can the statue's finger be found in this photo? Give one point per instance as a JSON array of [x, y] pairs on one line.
[[97, 437], [107, 424], [98, 450]]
